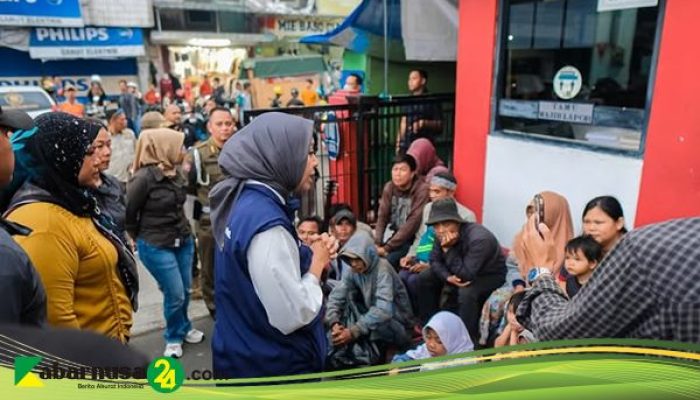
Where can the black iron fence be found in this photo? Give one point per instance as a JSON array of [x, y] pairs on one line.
[[358, 142]]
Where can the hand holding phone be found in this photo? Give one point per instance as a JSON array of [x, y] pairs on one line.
[[539, 211]]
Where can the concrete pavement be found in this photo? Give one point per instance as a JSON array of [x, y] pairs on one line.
[[194, 356], [149, 317]]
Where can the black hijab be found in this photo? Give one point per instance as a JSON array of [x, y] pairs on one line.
[[58, 149]]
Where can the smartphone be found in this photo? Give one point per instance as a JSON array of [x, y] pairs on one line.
[[539, 211]]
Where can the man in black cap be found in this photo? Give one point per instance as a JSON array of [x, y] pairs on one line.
[[23, 297], [466, 261]]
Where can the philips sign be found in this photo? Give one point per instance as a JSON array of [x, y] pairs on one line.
[[72, 34], [88, 42], [40, 13]]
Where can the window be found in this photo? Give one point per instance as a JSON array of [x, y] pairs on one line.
[[187, 20], [570, 73]]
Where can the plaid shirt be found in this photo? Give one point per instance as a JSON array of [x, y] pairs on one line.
[[647, 287]]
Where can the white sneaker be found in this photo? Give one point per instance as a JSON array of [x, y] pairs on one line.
[[173, 350], [194, 336]]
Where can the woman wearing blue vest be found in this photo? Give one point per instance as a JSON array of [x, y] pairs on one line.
[[268, 296]]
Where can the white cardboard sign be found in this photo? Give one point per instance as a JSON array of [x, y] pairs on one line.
[[610, 5]]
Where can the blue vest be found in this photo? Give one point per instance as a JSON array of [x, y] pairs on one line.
[[244, 344]]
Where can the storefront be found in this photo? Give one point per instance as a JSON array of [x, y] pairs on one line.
[[63, 13], [582, 97], [62, 52]]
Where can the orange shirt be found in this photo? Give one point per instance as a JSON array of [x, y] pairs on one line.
[[76, 108], [205, 89], [309, 97]]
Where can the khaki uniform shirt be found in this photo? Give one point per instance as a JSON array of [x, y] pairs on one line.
[[203, 175]]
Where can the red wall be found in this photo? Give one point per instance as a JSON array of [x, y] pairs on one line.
[[670, 186], [475, 57]]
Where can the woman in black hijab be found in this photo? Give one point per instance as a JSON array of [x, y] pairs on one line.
[[88, 273]]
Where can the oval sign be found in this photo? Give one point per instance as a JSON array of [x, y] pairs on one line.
[[567, 82]]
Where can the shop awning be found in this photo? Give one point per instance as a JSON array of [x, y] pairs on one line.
[[284, 66], [418, 30], [89, 42], [41, 13]]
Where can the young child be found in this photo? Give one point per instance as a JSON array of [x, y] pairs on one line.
[[444, 334], [513, 330], [583, 254]]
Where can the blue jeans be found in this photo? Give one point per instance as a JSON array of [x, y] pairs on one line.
[[172, 269]]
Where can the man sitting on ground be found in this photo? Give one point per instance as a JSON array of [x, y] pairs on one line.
[[442, 186], [467, 260], [370, 304], [400, 210]]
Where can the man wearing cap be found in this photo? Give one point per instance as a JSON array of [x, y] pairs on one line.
[[23, 296], [123, 146], [343, 225], [203, 172], [152, 120], [71, 105], [443, 185], [466, 260]]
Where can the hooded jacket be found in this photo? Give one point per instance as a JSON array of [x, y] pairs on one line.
[[379, 287]]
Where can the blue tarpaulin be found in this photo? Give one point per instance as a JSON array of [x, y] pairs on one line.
[[363, 26]]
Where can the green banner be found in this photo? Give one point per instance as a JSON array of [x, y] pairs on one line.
[[582, 369]]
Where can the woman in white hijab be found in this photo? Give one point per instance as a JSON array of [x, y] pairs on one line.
[[445, 334]]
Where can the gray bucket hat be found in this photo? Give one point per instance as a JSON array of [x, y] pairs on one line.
[[444, 210]]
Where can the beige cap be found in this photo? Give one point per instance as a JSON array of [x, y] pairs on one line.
[[152, 120]]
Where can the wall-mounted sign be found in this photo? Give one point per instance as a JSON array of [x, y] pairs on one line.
[[566, 112], [88, 42], [567, 82], [610, 5], [518, 108], [40, 13], [300, 26]]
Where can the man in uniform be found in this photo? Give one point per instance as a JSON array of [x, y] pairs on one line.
[[203, 173]]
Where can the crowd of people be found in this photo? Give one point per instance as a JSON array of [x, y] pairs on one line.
[[82, 200]]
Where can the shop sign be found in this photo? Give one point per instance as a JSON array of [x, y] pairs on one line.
[[566, 112], [88, 42], [517, 108], [300, 26], [611, 5], [40, 13], [567, 82]]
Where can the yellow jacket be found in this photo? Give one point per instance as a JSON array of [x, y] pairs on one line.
[[78, 267]]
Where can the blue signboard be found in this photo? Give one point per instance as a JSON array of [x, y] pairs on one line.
[[40, 13], [88, 42]]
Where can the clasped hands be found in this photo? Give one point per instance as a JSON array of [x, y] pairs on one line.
[[340, 335]]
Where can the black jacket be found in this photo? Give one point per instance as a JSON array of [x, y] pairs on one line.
[[23, 296], [155, 208], [477, 253], [112, 201]]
